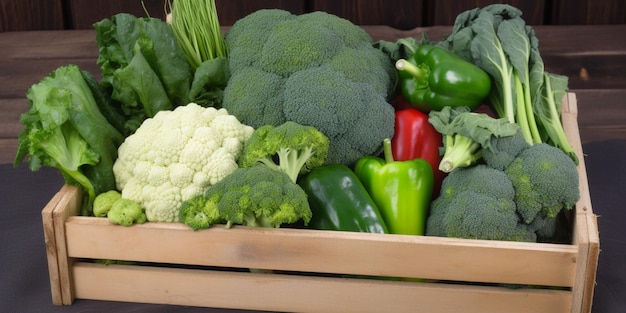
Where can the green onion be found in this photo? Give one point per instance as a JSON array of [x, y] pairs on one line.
[[197, 30]]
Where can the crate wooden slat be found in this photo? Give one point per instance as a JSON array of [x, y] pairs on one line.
[[311, 267]]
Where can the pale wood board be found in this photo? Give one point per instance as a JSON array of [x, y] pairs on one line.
[[303, 293], [586, 236], [71, 203], [52, 253]]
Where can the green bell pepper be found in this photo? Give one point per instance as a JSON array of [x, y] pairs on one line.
[[339, 201], [402, 190], [433, 78]]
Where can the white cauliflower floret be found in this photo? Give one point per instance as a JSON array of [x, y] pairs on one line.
[[177, 155]]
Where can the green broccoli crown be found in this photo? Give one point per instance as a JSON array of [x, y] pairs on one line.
[[259, 196], [255, 96], [479, 178], [504, 149], [199, 213], [287, 48], [297, 148], [476, 215], [250, 34], [545, 181], [355, 118], [126, 212], [103, 202]]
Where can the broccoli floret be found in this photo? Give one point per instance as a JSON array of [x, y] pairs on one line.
[[118, 210], [290, 147], [199, 213], [504, 150], [477, 202], [479, 178], [466, 134], [250, 34], [354, 117], [259, 196], [545, 180], [476, 215], [286, 48], [126, 212], [103, 202], [364, 67], [255, 96]]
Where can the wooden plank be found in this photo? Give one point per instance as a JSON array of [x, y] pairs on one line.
[[229, 11], [326, 252], [11, 109], [69, 205], [586, 228], [399, 14], [588, 12], [50, 241], [31, 15], [8, 149], [83, 14], [302, 293], [445, 12], [601, 114]]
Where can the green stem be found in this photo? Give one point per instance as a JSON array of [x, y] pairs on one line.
[[388, 153], [521, 116], [412, 69]]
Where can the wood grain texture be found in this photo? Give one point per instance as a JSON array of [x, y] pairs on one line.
[[19, 15], [444, 12], [400, 14]]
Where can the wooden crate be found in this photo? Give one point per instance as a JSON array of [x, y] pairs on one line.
[[210, 267]]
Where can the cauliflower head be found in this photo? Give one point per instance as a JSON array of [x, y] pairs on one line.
[[177, 155]]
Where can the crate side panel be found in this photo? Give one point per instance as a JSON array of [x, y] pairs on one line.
[[69, 205], [326, 252], [586, 235], [302, 293], [51, 247]]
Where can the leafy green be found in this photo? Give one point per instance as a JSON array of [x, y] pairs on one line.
[[497, 39], [65, 129], [466, 134], [142, 66]]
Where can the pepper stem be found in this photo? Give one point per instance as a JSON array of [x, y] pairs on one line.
[[387, 150], [410, 68]]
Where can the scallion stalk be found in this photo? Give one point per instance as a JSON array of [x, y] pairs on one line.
[[196, 27]]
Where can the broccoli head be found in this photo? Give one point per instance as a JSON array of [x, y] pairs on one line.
[[355, 118], [297, 148], [199, 213], [126, 212], [279, 63], [504, 149], [479, 178], [466, 135], [476, 215], [545, 181], [477, 202], [118, 210], [257, 196], [103, 202]]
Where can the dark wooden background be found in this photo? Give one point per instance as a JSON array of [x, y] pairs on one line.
[[20, 15]]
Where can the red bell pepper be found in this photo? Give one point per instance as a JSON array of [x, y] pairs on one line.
[[415, 137]]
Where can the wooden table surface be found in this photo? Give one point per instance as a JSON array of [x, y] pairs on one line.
[[593, 57]]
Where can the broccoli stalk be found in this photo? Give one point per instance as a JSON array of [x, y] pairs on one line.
[[291, 148], [465, 134], [460, 151]]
